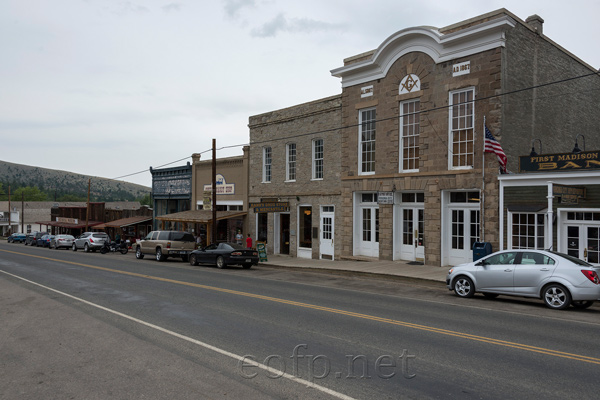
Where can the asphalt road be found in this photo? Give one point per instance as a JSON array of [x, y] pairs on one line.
[[78, 325]]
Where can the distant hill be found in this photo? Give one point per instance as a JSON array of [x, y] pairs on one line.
[[61, 184]]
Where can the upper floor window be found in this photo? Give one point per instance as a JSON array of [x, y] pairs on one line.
[[317, 156], [462, 134], [366, 151], [290, 170], [267, 152], [409, 135]]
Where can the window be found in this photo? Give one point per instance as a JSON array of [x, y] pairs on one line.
[[317, 169], [462, 135], [528, 231], [409, 135], [290, 170], [266, 164], [366, 152], [305, 231]]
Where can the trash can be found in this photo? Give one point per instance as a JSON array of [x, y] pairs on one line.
[[481, 249]]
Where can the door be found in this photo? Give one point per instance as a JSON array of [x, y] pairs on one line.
[[531, 272], [464, 232], [284, 238], [327, 229], [496, 273], [412, 225], [583, 242]]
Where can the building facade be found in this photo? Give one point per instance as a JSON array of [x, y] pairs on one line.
[[171, 193], [295, 182], [417, 184]]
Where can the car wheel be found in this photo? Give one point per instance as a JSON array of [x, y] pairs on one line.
[[582, 304], [556, 296], [138, 253], [464, 287], [220, 262], [193, 261], [247, 266], [86, 248], [159, 255], [490, 295], [74, 247]]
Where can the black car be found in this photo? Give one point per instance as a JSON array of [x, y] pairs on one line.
[[224, 254], [33, 237]]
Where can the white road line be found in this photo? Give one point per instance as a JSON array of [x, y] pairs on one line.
[[245, 360]]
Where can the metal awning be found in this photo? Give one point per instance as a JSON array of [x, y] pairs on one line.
[[123, 222], [68, 225], [200, 216]]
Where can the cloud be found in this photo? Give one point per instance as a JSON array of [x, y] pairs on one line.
[[294, 25], [171, 7], [233, 8]]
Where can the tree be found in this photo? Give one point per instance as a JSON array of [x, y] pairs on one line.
[[30, 194], [146, 200]]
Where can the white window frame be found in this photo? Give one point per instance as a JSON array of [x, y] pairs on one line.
[[413, 123], [318, 170], [267, 174], [361, 114], [464, 122], [290, 162], [537, 235]]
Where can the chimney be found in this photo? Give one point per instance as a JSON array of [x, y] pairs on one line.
[[536, 22]]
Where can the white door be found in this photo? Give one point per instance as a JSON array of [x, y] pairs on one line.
[[412, 225], [583, 242], [463, 233], [366, 225], [327, 229]]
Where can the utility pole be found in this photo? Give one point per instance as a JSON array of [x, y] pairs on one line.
[[22, 212], [214, 191], [87, 211], [9, 213]]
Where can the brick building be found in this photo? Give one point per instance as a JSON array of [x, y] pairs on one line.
[[406, 139], [295, 185]]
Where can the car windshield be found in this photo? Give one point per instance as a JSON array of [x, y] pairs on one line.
[[574, 260]]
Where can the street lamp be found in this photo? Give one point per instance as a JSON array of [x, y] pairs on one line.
[[533, 153], [576, 149]]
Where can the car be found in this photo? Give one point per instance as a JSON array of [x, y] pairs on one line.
[[164, 244], [44, 241], [32, 238], [558, 279], [16, 238], [224, 254], [59, 241], [89, 241]]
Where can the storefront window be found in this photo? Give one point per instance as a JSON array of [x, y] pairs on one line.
[[262, 219], [305, 227], [527, 231]]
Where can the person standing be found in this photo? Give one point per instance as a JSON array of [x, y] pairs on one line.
[[239, 237], [249, 242]]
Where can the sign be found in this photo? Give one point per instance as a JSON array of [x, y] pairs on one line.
[[385, 197], [222, 186], [270, 206], [560, 162], [463, 68], [410, 83], [568, 194], [67, 220], [366, 91], [262, 251], [207, 201]]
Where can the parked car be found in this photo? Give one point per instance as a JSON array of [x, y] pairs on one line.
[[163, 244], [558, 279], [89, 241], [32, 238], [45, 240], [59, 241], [224, 254], [16, 238]]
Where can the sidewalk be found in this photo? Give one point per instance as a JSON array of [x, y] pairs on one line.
[[393, 268]]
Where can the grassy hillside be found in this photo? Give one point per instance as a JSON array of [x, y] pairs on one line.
[[57, 185]]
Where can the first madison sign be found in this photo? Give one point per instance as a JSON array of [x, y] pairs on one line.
[[560, 162]]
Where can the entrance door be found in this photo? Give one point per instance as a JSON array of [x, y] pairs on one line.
[[464, 232], [366, 225], [327, 225], [583, 242], [284, 238], [412, 227]]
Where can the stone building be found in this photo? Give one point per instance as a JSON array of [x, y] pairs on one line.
[[171, 193], [295, 182]]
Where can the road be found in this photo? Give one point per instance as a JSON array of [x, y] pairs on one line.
[[86, 325]]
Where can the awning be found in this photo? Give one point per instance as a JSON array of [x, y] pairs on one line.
[[67, 225], [120, 223], [200, 216]]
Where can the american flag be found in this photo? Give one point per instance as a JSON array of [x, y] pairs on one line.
[[492, 146]]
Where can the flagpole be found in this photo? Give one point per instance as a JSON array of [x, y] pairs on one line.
[[483, 183]]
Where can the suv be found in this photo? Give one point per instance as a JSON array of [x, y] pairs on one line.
[[163, 244], [90, 241]]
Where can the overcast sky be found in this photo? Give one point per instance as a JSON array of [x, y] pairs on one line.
[[110, 88]]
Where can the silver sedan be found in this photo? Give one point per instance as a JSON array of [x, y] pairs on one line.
[[59, 241], [558, 279]]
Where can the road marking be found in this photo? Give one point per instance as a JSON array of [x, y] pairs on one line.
[[483, 339], [247, 361]]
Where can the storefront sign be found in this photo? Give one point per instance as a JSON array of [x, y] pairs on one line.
[[463, 68], [222, 186], [560, 162], [267, 207], [67, 220], [385, 197], [568, 194], [207, 202]]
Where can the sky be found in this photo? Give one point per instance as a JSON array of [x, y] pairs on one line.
[[111, 88]]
